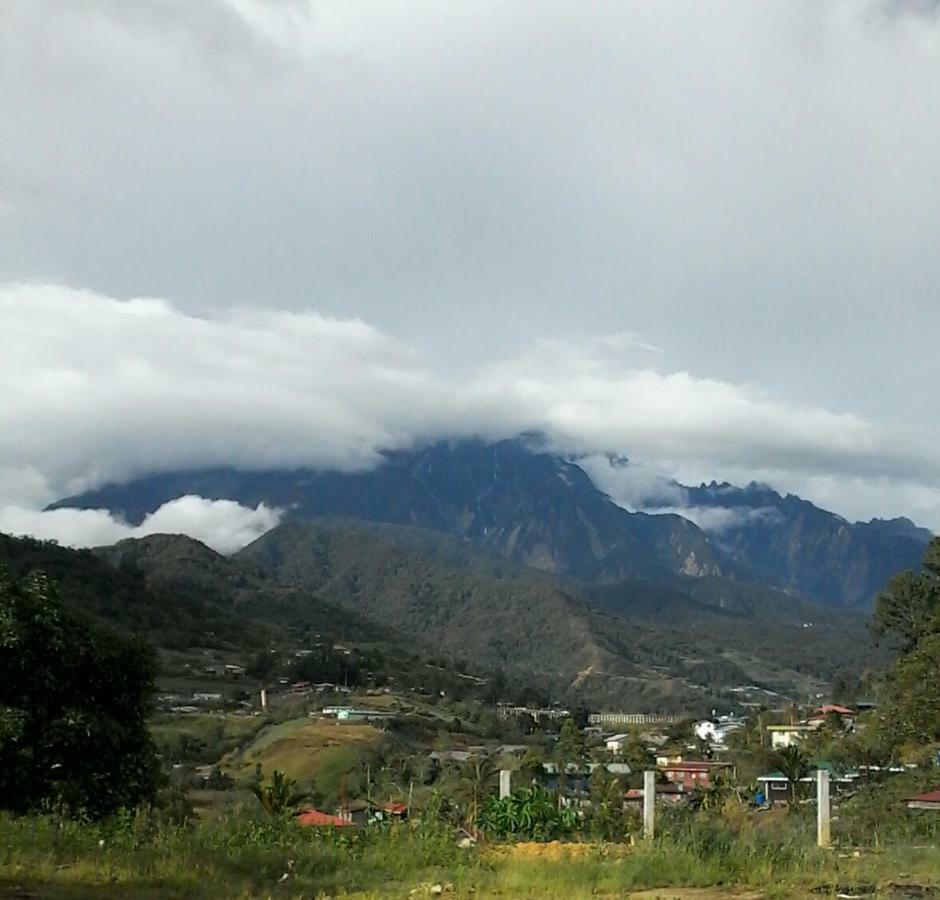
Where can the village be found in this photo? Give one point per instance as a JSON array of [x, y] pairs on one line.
[[767, 757]]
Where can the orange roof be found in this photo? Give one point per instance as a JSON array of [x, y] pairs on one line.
[[396, 809], [317, 818], [929, 797]]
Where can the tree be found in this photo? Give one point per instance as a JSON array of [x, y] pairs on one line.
[[570, 747], [636, 754], [909, 608], [792, 762], [908, 611], [279, 794], [569, 751], [911, 696], [73, 705], [476, 774]]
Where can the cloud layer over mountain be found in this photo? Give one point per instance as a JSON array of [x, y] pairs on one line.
[[94, 389], [224, 525]]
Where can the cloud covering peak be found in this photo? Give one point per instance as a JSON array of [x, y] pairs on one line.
[[95, 389]]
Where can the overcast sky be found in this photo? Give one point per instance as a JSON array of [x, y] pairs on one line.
[[701, 234]]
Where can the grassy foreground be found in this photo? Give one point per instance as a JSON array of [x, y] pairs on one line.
[[136, 856]]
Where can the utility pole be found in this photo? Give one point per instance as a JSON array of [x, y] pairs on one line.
[[649, 805], [505, 783], [822, 808]]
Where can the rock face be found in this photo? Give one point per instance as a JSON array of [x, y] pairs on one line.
[[820, 554], [543, 511], [532, 507]]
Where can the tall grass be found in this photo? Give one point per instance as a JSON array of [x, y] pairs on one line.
[[228, 858], [139, 855]]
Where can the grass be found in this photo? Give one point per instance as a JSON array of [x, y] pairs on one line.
[[41, 856], [319, 754], [202, 737]]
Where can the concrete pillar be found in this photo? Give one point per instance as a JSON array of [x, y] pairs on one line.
[[264, 699], [822, 808], [649, 804], [505, 783]]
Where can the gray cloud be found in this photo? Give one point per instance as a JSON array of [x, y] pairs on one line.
[[94, 389], [469, 194]]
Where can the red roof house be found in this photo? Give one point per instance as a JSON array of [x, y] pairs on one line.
[[694, 773], [930, 800], [320, 819]]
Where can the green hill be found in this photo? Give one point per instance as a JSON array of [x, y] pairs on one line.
[[632, 645]]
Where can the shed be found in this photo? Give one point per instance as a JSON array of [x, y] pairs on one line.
[[930, 800]]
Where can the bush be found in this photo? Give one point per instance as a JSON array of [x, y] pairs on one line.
[[527, 813]]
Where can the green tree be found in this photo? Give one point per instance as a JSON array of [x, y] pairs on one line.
[[279, 794], [909, 608], [73, 705], [794, 765], [908, 612], [570, 747], [569, 751]]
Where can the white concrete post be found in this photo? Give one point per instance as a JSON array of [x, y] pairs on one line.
[[264, 699], [505, 783], [822, 808], [649, 804]]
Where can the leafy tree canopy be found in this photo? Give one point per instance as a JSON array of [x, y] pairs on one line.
[[73, 704], [908, 610]]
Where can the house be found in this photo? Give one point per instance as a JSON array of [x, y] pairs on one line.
[[397, 812], [822, 714], [776, 787], [692, 774], [321, 819], [668, 756], [716, 731], [233, 671], [930, 800], [665, 793], [356, 812], [616, 743], [782, 736]]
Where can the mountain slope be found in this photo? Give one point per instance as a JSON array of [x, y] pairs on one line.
[[542, 511], [532, 507], [671, 650], [120, 595], [816, 552]]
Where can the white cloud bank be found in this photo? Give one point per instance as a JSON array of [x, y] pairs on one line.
[[224, 525], [94, 389]]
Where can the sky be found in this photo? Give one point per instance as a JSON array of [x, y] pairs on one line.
[[702, 235]]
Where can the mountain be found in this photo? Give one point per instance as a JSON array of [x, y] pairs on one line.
[[543, 511], [794, 543], [416, 594], [114, 591], [631, 645], [532, 507]]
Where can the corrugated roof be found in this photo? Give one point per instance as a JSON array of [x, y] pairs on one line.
[[320, 819], [929, 797]]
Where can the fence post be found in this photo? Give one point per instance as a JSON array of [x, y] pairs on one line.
[[505, 783], [822, 808], [649, 804]]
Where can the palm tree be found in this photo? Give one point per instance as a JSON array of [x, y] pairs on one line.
[[794, 765], [475, 776], [278, 795]]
